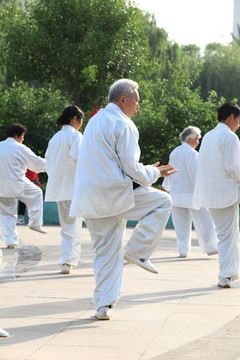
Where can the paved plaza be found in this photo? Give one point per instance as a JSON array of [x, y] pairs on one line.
[[178, 314]]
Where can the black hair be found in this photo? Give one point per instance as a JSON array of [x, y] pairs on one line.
[[16, 130], [68, 113], [228, 109]]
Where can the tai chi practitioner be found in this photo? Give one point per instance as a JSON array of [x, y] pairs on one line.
[[181, 186], [111, 185], [61, 157], [15, 158], [217, 188]]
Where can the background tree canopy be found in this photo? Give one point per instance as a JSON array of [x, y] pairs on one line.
[[53, 53], [78, 45]]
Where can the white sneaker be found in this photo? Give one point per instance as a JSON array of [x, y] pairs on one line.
[[38, 228], [224, 283], [3, 333], [66, 269], [145, 264], [104, 313]]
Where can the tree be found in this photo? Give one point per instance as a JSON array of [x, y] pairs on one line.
[[8, 11], [38, 109], [79, 45], [221, 71], [167, 107]]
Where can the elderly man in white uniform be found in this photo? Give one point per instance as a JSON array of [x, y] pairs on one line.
[[181, 186], [61, 157], [15, 158], [108, 171], [217, 188]]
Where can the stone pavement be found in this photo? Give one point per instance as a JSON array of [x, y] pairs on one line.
[[178, 314]]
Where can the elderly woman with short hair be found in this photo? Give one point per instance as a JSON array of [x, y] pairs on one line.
[[181, 186]]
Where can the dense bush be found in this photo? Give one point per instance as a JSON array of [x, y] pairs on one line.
[[37, 109], [167, 107]]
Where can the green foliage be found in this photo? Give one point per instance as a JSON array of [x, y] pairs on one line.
[[168, 106], [11, 3], [37, 109], [79, 45], [221, 71]]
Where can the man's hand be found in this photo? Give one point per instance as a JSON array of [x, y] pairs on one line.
[[165, 170]]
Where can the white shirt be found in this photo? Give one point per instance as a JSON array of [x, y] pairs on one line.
[[181, 184], [15, 159], [61, 157], [218, 170], [108, 163]]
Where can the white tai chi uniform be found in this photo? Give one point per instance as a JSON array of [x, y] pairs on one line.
[[103, 194], [181, 187], [15, 159], [61, 157], [217, 187]]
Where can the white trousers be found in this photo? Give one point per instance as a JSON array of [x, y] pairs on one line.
[[70, 234], [152, 209], [226, 221], [33, 199], [182, 221]]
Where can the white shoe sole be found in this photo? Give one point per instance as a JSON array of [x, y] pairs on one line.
[[140, 265], [40, 230], [3, 333], [101, 317], [225, 286]]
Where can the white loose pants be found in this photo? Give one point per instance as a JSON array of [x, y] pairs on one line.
[[226, 221], [152, 209], [33, 199], [182, 221], [70, 234]]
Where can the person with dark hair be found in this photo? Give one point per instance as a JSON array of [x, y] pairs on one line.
[[15, 158], [217, 188], [61, 157], [111, 186], [181, 187]]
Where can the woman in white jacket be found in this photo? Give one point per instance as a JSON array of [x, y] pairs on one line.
[[61, 157], [181, 187]]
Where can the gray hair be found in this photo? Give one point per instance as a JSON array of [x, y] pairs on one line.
[[190, 132], [122, 87]]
